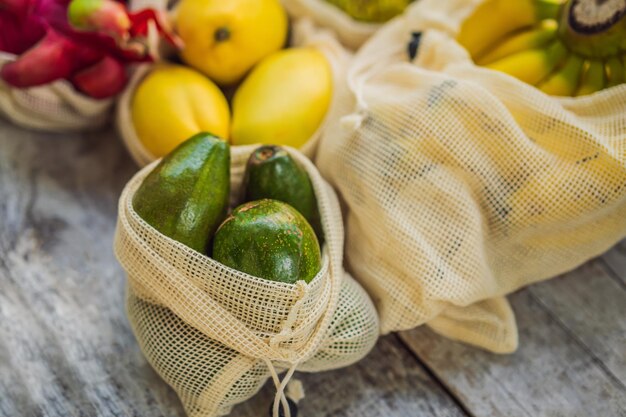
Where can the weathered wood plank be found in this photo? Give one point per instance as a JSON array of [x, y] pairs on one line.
[[387, 383], [551, 374], [616, 261], [590, 305], [65, 346]]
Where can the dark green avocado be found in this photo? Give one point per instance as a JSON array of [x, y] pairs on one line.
[[272, 173], [185, 197], [268, 239]]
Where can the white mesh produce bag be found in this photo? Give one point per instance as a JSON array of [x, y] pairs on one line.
[[463, 184], [55, 107], [216, 334], [304, 33]]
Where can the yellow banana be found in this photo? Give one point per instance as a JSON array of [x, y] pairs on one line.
[[584, 186], [615, 71], [520, 41], [593, 78], [564, 81], [533, 65], [494, 19]]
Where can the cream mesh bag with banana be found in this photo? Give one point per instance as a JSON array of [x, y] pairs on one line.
[[216, 334], [463, 184]]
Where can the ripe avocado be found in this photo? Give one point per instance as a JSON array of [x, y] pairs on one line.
[[185, 197], [272, 173], [268, 239]]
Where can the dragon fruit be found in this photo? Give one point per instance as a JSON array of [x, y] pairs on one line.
[[87, 42]]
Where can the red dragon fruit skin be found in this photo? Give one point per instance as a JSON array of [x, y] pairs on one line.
[[54, 57], [19, 29], [103, 79], [13, 38], [92, 55]]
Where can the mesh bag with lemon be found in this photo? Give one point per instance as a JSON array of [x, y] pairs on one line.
[[233, 78], [464, 182], [219, 310]]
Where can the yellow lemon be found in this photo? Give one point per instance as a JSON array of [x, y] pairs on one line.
[[173, 103], [225, 38], [283, 100]]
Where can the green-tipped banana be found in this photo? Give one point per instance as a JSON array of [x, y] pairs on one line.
[[593, 78], [521, 41], [530, 40], [614, 71], [495, 19], [564, 81], [594, 28], [534, 65]]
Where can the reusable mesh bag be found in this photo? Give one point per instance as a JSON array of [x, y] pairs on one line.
[[304, 33], [216, 334], [55, 107], [350, 32], [463, 184]]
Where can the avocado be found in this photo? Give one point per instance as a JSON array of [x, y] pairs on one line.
[[268, 239], [185, 197], [272, 173]]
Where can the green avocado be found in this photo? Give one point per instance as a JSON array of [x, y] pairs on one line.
[[272, 173], [185, 197], [268, 239]]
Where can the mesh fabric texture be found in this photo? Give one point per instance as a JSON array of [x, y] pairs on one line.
[[55, 107], [463, 184], [209, 330]]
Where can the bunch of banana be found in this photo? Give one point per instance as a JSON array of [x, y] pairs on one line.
[[564, 47]]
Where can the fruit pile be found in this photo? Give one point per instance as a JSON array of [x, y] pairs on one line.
[[233, 49], [564, 47], [86, 42], [273, 234]]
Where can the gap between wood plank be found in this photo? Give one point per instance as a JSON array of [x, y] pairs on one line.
[[613, 274], [441, 383], [595, 359]]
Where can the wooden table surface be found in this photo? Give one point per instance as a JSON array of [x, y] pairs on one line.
[[66, 348]]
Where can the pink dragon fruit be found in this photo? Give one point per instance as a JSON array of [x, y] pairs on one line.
[[87, 42]]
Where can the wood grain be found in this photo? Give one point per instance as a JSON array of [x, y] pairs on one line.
[[615, 259], [66, 348], [65, 345], [588, 303], [388, 382], [553, 373]]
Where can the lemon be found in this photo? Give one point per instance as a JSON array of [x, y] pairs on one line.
[[173, 103], [224, 39], [283, 100]]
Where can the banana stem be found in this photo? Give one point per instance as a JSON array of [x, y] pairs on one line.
[[594, 28]]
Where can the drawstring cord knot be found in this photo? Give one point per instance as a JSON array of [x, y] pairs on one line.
[[280, 397]]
